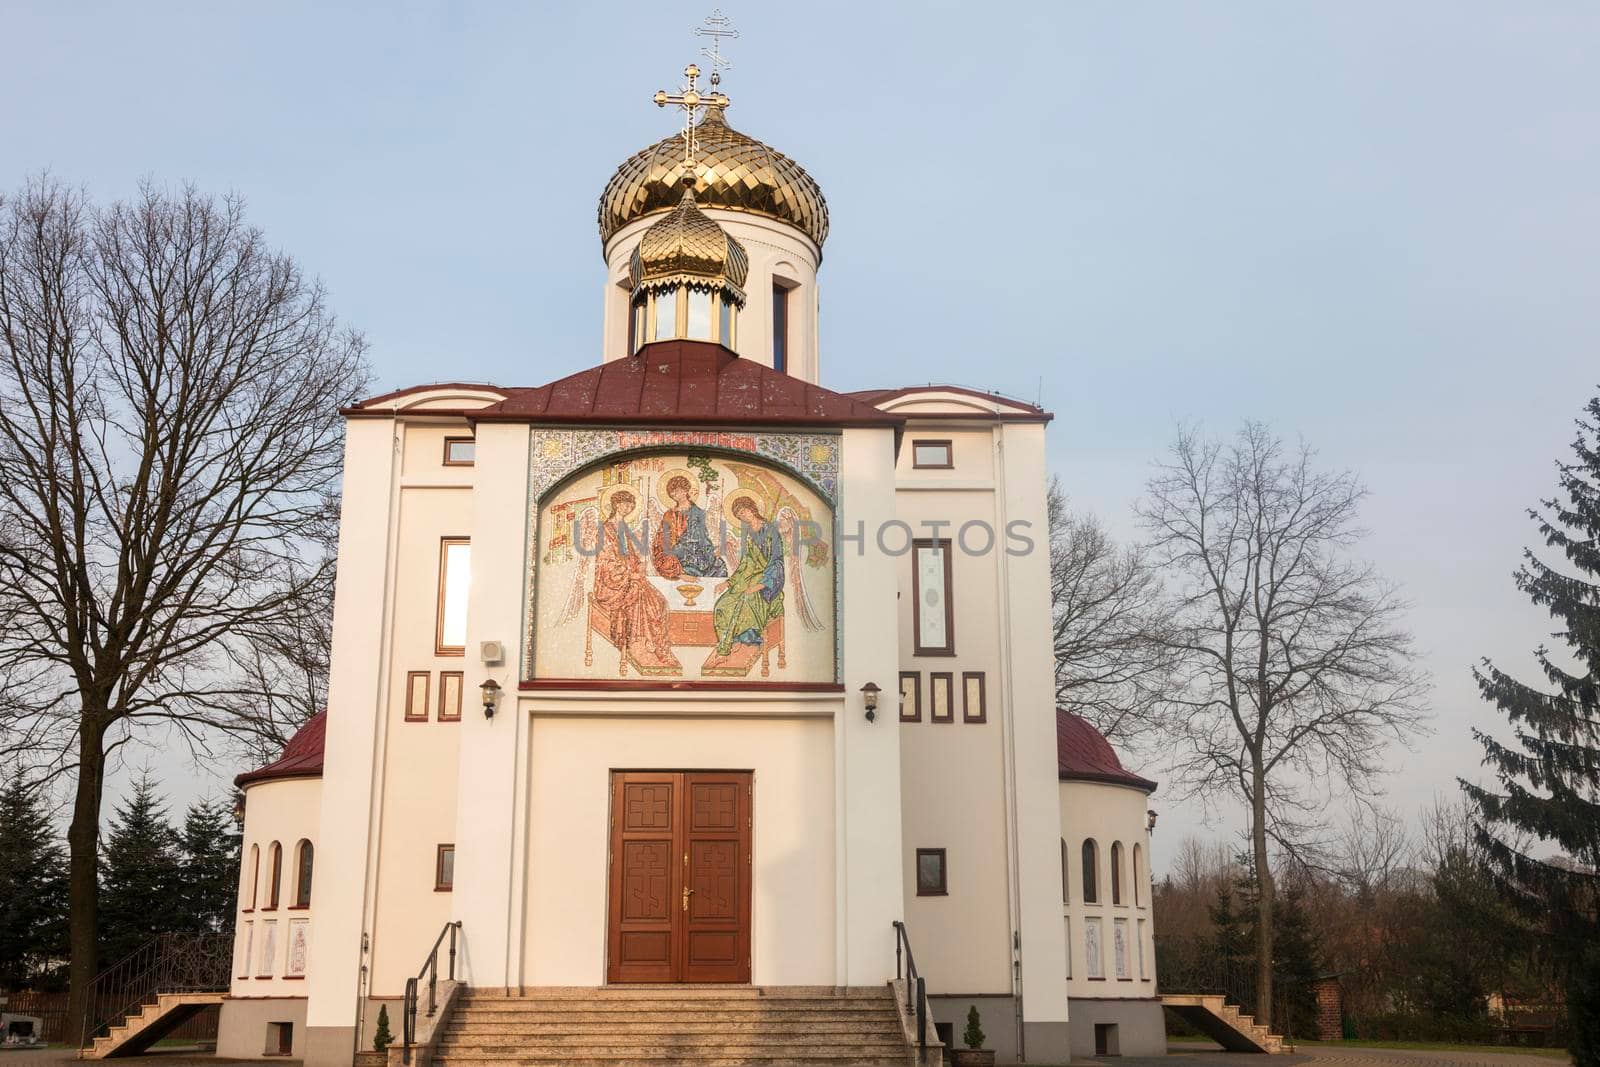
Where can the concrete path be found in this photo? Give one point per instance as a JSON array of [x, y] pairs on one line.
[[1185, 1055]]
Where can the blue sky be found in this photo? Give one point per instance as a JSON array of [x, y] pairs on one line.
[[1372, 224]]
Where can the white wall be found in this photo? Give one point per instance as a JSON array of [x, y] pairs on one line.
[[285, 811], [792, 901]]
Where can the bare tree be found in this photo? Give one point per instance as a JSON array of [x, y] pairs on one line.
[[169, 437], [1297, 668], [1113, 649]]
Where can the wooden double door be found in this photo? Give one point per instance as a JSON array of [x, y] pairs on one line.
[[680, 877]]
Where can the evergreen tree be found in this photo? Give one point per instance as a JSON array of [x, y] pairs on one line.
[[382, 1038], [141, 878], [1231, 946], [210, 852], [1549, 776], [33, 892], [1296, 963]]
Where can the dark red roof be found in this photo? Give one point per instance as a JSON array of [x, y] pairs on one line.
[[1084, 755], [1029, 412], [302, 756], [685, 381]]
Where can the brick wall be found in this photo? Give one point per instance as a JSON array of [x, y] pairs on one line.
[[1330, 1009]]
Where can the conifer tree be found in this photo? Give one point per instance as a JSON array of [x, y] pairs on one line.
[[141, 880], [1548, 775], [33, 891], [210, 848]]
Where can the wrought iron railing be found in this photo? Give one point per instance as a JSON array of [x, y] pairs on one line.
[[1193, 965], [430, 972], [167, 963], [916, 988]]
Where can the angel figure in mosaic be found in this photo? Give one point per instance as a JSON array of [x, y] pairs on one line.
[[753, 596], [683, 544], [635, 611]]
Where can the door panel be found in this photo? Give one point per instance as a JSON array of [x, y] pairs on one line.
[[680, 877]]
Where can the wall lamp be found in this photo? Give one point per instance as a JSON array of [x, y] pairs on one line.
[[491, 695], [869, 697], [1150, 820]]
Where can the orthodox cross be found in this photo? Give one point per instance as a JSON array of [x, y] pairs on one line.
[[691, 100], [717, 27]]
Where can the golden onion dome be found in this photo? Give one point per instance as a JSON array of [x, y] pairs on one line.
[[686, 247], [732, 172]]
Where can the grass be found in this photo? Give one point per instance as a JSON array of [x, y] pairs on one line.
[[1440, 1046]]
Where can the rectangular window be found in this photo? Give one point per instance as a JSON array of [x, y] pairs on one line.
[[941, 707], [780, 328], [450, 683], [931, 455], [933, 622], [725, 321], [444, 869], [455, 576], [700, 315], [280, 1040], [931, 880], [460, 451], [417, 696], [636, 324], [1093, 961], [910, 696], [666, 314], [974, 699]]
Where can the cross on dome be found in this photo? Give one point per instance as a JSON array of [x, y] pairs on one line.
[[692, 101]]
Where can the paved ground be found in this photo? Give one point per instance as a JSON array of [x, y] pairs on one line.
[[167, 1057], [1189, 1056]]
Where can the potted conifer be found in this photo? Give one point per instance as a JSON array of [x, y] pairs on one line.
[[974, 1055]]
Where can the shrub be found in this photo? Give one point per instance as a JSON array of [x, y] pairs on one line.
[[973, 1035]]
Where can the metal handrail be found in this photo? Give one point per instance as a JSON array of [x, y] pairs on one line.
[[916, 988], [430, 969], [167, 963]]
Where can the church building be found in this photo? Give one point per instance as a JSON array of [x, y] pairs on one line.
[[686, 681]]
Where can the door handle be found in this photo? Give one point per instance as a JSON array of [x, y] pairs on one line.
[[687, 893]]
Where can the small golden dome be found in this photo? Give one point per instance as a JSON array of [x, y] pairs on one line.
[[686, 247], [732, 172]]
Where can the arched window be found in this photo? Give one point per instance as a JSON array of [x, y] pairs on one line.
[[302, 881], [1065, 896], [1116, 872], [255, 878], [1091, 872], [277, 871], [1138, 873]]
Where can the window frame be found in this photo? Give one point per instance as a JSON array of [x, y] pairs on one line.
[[1066, 875], [946, 549], [439, 647], [305, 857], [944, 872], [255, 876], [915, 677], [276, 852], [947, 679], [445, 714], [456, 439], [417, 708], [948, 444], [1116, 874], [780, 326], [1138, 900], [967, 715], [1089, 869], [439, 884]]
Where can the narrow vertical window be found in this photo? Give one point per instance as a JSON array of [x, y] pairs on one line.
[[1116, 872], [780, 328], [974, 698], [455, 575], [1091, 872], [910, 696], [276, 876], [725, 321], [941, 706], [1138, 876], [700, 314], [933, 621], [255, 877], [444, 868], [1065, 870], [302, 881], [450, 685], [417, 696], [636, 331], [666, 315]]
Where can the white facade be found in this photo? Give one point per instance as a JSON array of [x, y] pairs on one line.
[[944, 809]]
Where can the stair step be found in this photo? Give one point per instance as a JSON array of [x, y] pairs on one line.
[[480, 1031], [851, 1008], [832, 1057]]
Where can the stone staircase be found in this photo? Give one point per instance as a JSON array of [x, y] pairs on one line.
[[155, 1019], [1224, 1023], [708, 1026]]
